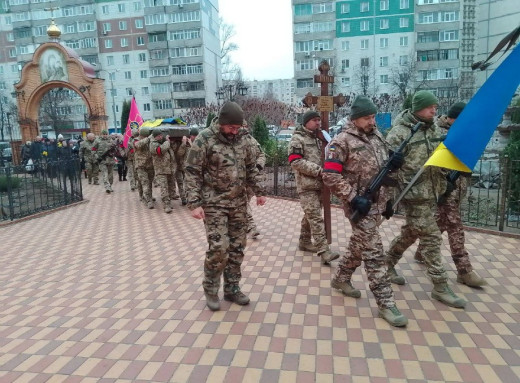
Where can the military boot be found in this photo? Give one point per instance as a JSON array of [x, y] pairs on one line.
[[212, 302], [394, 277], [328, 256], [393, 316], [168, 208], [150, 205], [418, 257], [471, 279], [346, 288], [236, 296], [443, 293], [307, 245]]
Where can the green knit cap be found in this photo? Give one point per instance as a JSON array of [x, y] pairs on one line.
[[231, 114], [361, 107], [456, 109], [309, 115], [423, 99]]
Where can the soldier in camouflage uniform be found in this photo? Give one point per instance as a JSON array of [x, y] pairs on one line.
[[105, 150], [130, 156], [87, 156], [448, 217], [164, 166], [353, 159], [421, 200], [305, 160], [219, 168], [144, 166]]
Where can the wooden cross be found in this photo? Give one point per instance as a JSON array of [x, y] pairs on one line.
[[325, 104]]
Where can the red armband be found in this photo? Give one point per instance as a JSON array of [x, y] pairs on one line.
[[333, 166], [294, 156], [93, 149], [159, 152]]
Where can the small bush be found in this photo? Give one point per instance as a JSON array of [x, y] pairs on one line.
[[5, 181]]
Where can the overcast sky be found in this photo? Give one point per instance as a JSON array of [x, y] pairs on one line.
[[264, 37]]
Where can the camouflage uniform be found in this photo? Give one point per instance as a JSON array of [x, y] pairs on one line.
[[144, 167], [353, 158], [180, 152], [448, 217], [163, 160], [218, 172], [88, 157], [130, 156], [421, 200], [105, 150], [260, 164]]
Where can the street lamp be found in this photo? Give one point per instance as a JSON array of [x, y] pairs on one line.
[[229, 91]]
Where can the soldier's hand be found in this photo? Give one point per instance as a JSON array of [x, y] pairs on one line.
[[361, 204], [260, 201], [198, 213], [396, 160], [389, 210]]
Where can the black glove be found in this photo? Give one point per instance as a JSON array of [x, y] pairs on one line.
[[389, 211], [396, 160], [361, 205], [389, 181]]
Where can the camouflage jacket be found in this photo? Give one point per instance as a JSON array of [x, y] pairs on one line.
[[85, 151], [305, 159], [218, 171], [163, 157], [432, 182], [105, 150], [180, 151], [130, 149], [258, 153], [463, 180], [142, 156], [353, 159]]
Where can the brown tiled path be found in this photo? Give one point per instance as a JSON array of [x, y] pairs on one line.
[[108, 291]]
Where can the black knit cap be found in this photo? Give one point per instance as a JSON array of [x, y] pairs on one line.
[[361, 107], [231, 114], [309, 116], [456, 109]]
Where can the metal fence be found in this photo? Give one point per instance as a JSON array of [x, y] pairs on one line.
[[485, 205], [26, 189]]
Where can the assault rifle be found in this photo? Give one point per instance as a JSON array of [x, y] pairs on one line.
[[452, 177], [377, 181]]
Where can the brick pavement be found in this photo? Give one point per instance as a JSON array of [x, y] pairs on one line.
[[109, 291]]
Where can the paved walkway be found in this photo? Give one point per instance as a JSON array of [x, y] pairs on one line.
[[109, 291]]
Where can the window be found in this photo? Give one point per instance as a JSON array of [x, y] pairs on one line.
[[126, 59], [112, 76], [449, 35], [124, 42], [345, 26], [140, 40], [128, 75], [322, 8], [345, 81], [345, 64], [304, 83], [104, 9], [383, 5], [143, 73], [129, 92], [404, 4], [108, 43], [345, 45], [110, 60], [107, 27], [137, 6], [364, 44], [364, 6], [71, 28], [123, 26], [162, 104], [450, 16], [142, 57], [383, 79], [383, 42], [345, 8], [403, 60], [383, 61], [139, 24], [384, 24], [426, 18], [146, 107], [121, 7], [403, 41], [365, 61], [145, 90], [404, 22], [364, 25]]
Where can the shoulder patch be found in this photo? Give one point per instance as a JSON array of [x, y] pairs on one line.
[[296, 150]]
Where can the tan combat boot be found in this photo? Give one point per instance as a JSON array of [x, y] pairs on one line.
[[393, 316], [346, 288], [212, 302], [443, 293], [328, 256], [236, 296], [307, 245], [418, 258], [471, 279], [394, 277]]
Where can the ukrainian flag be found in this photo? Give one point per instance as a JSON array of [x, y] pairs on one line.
[[469, 135]]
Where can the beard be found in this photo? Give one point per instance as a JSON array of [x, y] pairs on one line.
[[231, 137]]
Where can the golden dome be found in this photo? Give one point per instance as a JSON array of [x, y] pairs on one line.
[[53, 31]]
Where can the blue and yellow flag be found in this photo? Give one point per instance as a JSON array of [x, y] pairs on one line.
[[471, 131]]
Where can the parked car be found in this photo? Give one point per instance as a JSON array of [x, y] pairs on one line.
[[284, 135], [6, 153]]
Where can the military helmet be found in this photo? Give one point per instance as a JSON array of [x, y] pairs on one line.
[[135, 132], [144, 131]]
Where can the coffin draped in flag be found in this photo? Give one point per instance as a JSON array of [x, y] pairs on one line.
[[470, 133], [134, 122]]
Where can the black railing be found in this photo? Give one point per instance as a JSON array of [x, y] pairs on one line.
[[28, 189]]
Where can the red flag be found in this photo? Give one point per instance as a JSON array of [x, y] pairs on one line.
[[134, 121]]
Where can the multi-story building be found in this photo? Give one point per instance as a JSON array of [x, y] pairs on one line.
[[166, 53], [282, 90]]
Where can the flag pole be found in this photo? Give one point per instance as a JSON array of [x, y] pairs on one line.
[[408, 187]]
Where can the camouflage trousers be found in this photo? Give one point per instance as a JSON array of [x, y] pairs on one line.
[[166, 183], [226, 235], [179, 179], [448, 219], [144, 183], [365, 246], [312, 221], [107, 174], [251, 225], [131, 174], [420, 224], [92, 168]]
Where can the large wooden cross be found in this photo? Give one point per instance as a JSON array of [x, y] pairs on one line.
[[325, 105]]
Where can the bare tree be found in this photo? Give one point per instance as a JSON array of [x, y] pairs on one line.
[[56, 110], [8, 112], [227, 32]]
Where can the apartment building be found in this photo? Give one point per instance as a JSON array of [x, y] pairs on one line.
[[282, 90], [166, 53]]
